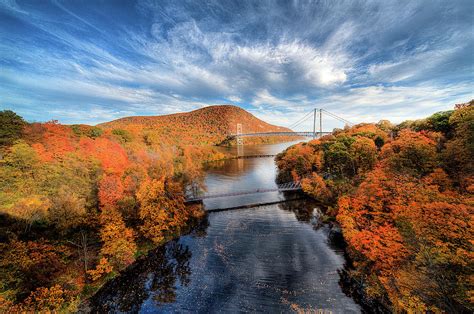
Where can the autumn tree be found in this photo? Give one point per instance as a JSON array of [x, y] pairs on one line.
[[85, 130], [459, 153], [26, 266], [385, 125], [118, 247], [20, 185], [49, 299], [413, 153], [409, 227], [337, 157], [297, 161], [67, 209], [118, 240], [364, 154], [404, 204], [316, 187], [80, 183], [123, 135], [162, 208]]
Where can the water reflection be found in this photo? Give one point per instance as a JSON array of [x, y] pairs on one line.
[[244, 174], [153, 280], [304, 210]]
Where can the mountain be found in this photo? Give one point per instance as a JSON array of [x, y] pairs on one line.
[[209, 125]]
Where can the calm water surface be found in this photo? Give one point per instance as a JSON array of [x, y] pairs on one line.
[[275, 258]]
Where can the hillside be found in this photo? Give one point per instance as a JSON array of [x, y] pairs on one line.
[[209, 125]]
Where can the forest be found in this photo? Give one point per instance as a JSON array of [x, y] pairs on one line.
[[403, 196], [80, 203]]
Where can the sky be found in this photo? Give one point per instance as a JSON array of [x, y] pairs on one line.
[[95, 61]]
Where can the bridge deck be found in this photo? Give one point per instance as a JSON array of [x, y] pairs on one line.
[[301, 134], [252, 156], [289, 186]]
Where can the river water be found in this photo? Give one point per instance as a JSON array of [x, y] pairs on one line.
[[273, 258]]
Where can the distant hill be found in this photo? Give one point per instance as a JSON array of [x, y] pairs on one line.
[[209, 125]]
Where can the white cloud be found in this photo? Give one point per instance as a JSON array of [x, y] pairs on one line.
[[263, 98], [409, 66], [397, 103], [234, 99]]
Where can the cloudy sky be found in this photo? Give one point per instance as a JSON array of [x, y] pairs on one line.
[[93, 61]]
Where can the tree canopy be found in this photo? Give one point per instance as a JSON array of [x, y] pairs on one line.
[[11, 127]]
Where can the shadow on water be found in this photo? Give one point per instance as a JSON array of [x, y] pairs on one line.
[[302, 208], [155, 277]]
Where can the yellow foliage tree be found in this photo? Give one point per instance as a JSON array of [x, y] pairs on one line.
[[162, 208]]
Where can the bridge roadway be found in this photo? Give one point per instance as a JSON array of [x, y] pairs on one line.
[[289, 186], [303, 134], [252, 156]]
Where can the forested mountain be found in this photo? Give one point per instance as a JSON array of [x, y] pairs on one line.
[[209, 125]]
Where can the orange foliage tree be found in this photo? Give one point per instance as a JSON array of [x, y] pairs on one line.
[[412, 152], [118, 241], [81, 182], [316, 187]]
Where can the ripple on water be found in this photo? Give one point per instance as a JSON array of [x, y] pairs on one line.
[[261, 259]]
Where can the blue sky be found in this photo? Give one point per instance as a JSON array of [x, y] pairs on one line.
[[94, 61]]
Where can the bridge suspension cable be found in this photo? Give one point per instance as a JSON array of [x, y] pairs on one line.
[[301, 125], [337, 117], [303, 119], [306, 116], [310, 114]]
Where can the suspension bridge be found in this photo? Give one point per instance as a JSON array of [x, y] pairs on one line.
[[316, 115]]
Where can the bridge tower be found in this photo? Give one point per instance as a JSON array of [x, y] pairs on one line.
[[320, 122], [240, 139], [315, 117], [314, 123]]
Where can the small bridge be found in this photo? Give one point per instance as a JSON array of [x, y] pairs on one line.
[[285, 187], [252, 156]]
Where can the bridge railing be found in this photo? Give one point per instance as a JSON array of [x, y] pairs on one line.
[[301, 134], [288, 186]]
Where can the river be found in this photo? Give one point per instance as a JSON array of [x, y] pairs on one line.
[[272, 258]]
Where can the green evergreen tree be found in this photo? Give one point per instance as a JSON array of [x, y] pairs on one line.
[[11, 126]]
